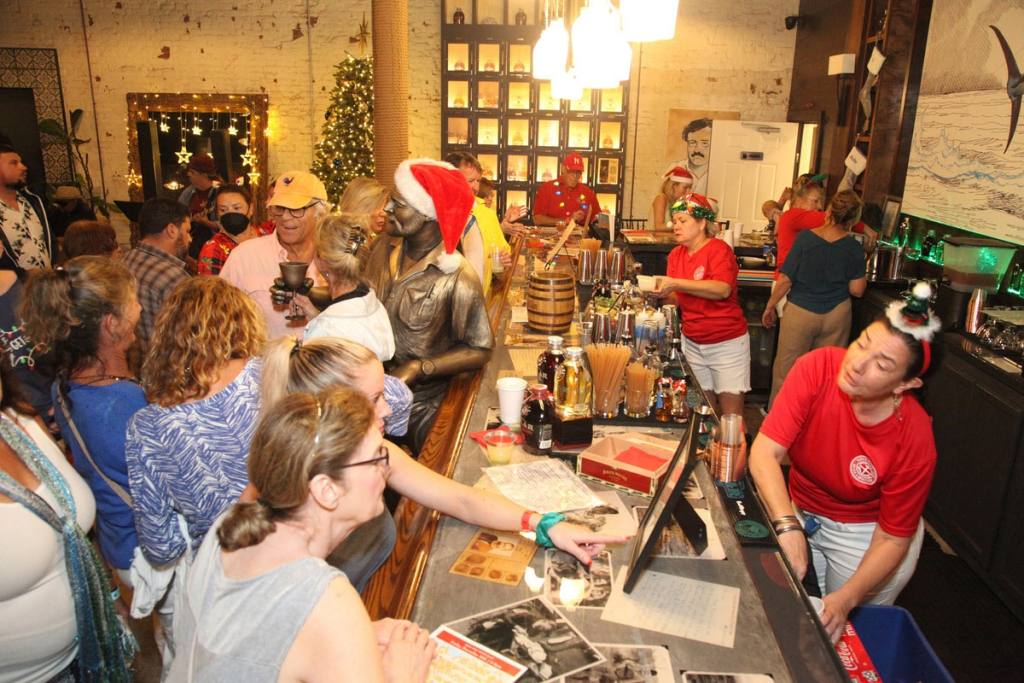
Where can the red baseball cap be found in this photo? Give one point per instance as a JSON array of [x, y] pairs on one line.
[[573, 162]]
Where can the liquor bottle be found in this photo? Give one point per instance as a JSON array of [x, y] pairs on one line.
[[538, 418], [663, 397], [675, 358], [549, 362], [573, 387], [603, 289]]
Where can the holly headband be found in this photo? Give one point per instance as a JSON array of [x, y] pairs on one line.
[[913, 317], [693, 208]]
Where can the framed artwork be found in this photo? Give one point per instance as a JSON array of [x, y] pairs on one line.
[[668, 502], [607, 171], [967, 149]]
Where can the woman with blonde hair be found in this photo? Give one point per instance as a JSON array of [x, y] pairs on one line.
[[86, 314], [702, 275], [676, 184], [365, 197], [186, 452], [260, 603], [354, 311], [317, 365]]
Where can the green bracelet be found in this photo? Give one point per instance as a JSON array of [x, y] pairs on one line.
[[544, 525]]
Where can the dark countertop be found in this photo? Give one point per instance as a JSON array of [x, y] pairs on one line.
[[959, 344]]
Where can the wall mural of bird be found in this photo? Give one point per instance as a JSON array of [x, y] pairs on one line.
[[1014, 84]]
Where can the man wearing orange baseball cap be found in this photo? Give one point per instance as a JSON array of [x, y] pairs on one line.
[[566, 198], [298, 202]]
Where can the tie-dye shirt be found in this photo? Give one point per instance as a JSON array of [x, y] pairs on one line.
[[191, 458]]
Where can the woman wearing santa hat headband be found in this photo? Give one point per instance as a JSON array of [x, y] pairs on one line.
[[702, 274], [676, 184], [862, 454]]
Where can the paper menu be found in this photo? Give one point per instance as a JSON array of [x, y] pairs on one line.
[[543, 486], [460, 660], [687, 608]]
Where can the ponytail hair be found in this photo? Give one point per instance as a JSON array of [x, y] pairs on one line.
[[290, 366], [845, 208], [63, 308], [304, 435]]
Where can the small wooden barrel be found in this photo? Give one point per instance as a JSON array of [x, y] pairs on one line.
[[550, 301]]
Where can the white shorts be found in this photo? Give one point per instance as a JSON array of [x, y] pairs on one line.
[[723, 367], [837, 549]]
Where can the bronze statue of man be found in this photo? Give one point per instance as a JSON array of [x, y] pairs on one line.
[[431, 293]]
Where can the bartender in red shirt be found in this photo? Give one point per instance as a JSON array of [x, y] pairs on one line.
[[862, 456], [702, 273], [557, 201]]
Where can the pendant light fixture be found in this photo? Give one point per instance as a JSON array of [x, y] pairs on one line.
[[648, 20], [566, 86], [600, 53], [551, 52]]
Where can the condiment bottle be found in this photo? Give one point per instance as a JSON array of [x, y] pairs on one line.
[[573, 386], [538, 419], [549, 362]]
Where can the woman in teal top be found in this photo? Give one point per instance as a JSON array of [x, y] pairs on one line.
[[824, 268]]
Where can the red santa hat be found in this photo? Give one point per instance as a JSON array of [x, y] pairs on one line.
[[440, 192], [678, 174]]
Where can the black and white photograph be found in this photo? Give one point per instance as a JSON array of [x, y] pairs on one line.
[[628, 664], [535, 634], [673, 541], [611, 517], [568, 583]]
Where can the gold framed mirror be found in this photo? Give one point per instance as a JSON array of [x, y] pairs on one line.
[[165, 129]]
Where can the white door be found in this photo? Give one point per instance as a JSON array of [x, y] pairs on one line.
[[751, 161]]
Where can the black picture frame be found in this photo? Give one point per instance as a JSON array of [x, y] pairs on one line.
[[668, 502]]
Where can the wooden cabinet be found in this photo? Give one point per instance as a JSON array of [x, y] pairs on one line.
[[977, 497], [977, 423]]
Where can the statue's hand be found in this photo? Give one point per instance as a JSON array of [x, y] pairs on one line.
[[409, 371]]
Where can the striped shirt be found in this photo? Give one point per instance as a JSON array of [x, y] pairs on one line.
[[190, 458]]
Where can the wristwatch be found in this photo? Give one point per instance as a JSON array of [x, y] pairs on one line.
[[427, 367]]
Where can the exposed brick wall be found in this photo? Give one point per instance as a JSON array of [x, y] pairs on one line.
[[726, 56]]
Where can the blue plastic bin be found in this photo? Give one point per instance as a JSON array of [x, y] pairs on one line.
[[896, 645]]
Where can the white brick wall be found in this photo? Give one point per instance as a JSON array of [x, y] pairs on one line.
[[729, 55]]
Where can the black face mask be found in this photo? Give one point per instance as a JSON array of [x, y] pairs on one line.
[[234, 223]]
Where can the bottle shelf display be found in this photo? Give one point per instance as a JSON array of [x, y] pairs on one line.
[[512, 123]]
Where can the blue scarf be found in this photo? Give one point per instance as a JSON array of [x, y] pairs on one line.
[[105, 647]]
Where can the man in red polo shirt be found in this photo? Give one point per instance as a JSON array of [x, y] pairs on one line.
[[557, 201]]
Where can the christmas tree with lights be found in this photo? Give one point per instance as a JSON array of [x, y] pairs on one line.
[[345, 149]]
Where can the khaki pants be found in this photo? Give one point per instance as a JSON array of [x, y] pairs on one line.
[[801, 331]]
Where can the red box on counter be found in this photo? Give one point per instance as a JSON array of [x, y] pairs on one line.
[[634, 463]]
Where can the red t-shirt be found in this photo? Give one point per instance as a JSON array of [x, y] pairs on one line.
[[554, 198], [793, 222], [708, 321], [841, 469]]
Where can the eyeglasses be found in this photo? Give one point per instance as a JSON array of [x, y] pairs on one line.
[[382, 454], [278, 211]]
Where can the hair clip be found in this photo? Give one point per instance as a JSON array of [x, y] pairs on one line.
[[913, 316], [356, 240], [296, 348]]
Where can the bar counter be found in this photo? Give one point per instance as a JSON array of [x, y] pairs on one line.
[[776, 633]]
